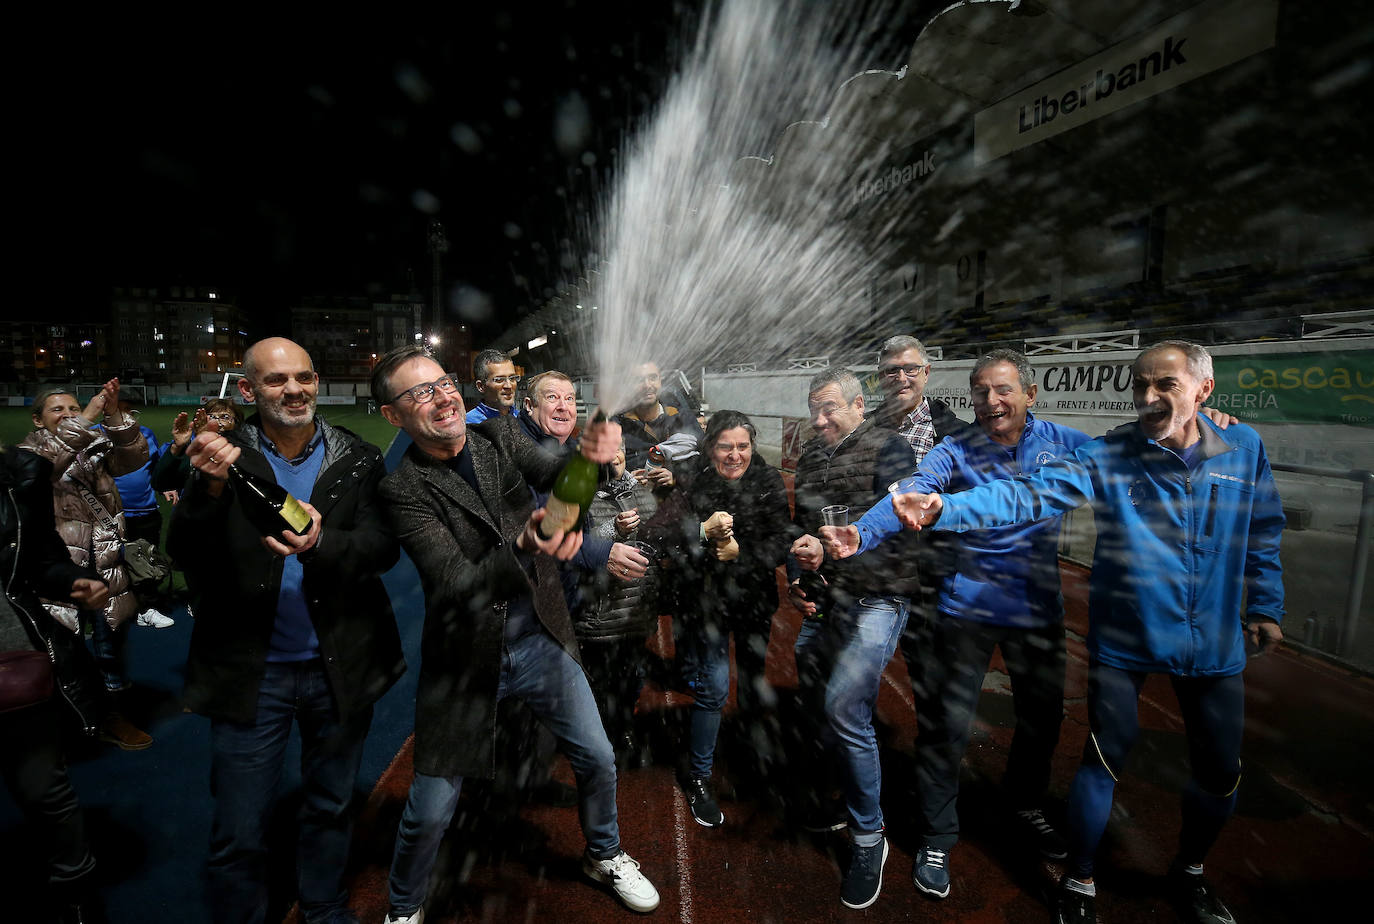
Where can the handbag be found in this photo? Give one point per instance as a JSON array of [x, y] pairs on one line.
[[144, 562], [26, 679]]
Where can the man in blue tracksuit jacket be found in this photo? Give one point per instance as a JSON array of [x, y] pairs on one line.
[[1002, 591], [1188, 523]]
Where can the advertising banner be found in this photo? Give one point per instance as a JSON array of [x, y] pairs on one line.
[[1192, 44], [1326, 387]]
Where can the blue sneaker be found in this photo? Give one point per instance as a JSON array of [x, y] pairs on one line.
[[864, 880], [929, 871]]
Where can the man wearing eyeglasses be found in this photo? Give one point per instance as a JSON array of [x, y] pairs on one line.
[[903, 372], [496, 621], [496, 381], [288, 628]]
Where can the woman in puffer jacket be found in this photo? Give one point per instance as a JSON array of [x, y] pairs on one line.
[[90, 519], [615, 617]]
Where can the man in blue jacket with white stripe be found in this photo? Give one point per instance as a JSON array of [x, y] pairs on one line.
[[1188, 524]]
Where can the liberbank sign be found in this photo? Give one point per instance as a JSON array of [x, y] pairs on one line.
[[1199, 41]]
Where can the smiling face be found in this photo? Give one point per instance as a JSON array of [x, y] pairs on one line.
[[731, 453], [554, 407], [1167, 397], [1000, 403], [902, 377], [282, 382], [55, 409], [648, 383], [438, 426], [832, 417], [498, 388]]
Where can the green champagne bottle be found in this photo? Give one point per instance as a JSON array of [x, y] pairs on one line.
[[572, 493], [268, 505]]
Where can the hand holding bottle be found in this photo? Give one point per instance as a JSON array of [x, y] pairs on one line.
[[211, 455], [561, 545], [288, 543], [601, 439]]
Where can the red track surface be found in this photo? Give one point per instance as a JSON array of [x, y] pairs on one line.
[[1298, 848]]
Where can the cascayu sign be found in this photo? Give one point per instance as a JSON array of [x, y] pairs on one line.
[[1327, 387]]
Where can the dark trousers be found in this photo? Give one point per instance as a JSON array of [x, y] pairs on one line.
[[35, 774], [953, 666], [246, 768], [616, 669], [149, 526], [1213, 712]]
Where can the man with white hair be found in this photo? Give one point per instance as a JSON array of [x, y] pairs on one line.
[[1186, 581]]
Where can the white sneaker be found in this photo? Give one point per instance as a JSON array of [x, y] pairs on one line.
[[155, 620], [621, 873], [417, 918]]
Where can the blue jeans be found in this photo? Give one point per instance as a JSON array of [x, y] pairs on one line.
[[847, 652], [109, 645], [245, 771], [703, 651], [538, 671]]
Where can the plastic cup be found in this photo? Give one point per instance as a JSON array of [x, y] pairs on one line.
[[625, 500], [646, 549], [835, 515]]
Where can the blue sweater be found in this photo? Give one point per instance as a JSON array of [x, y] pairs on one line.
[[136, 488], [1009, 575]]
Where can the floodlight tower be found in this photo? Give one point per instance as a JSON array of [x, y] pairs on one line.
[[438, 246]]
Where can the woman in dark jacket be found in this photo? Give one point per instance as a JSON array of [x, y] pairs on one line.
[[34, 561], [738, 536]]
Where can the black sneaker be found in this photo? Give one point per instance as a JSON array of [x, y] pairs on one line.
[[1075, 907], [864, 880], [825, 816], [929, 871], [703, 804], [1042, 835], [1195, 898]]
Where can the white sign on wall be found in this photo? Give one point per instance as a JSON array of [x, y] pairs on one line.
[[1194, 43]]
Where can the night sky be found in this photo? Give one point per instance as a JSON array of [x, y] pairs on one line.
[[277, 159], [277, 162]]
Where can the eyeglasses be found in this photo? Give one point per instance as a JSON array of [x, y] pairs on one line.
[[910, 370], [504, 380], [424, 392], [222, 418]]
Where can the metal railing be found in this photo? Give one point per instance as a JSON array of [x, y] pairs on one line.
[[1354, 594]]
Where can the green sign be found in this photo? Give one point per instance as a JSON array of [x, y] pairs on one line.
[[1326, 387]]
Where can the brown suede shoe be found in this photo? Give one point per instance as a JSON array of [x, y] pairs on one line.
[[118, 730]]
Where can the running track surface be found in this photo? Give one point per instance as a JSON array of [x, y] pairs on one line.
[[1299, 847]]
